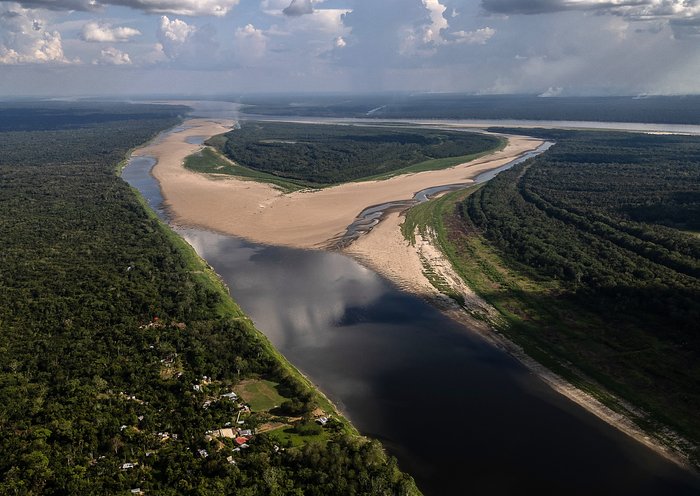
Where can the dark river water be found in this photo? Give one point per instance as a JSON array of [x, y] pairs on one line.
[[461, 416]]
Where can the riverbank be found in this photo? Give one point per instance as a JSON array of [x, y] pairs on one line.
[[409, 276], [387, 251], [302, 219]]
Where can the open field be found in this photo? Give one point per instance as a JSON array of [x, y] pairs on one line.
[[260, 394]]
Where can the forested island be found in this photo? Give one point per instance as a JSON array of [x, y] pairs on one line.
[[318, 155], [591, 255], [124, 364]]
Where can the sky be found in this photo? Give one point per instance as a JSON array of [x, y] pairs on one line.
[[207, 47]]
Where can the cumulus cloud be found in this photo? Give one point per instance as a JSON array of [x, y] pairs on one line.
[[427, 38], [476, 37], [186, 45], [340, 42], [433, 31], [251, 43], [113, 56], [23, 39], [299, 8], [177, 7], [103, 32], [47, 48], [173, 35]]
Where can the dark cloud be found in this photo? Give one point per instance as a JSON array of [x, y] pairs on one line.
[[10, 15], [547, 6], [638, 10], [685, 28], [522, 6], [58, 4], [299, 8]]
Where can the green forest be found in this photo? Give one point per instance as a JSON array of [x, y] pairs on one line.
[[327, 154], [591, 251], [682, 109], [122, 358]]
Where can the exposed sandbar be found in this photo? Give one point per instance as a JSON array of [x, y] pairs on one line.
[[304, 219]]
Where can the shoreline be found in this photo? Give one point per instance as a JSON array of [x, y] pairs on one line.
[[301, 219], [260, 213], [398, 252]]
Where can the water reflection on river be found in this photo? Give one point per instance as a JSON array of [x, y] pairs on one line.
[[461, 416]]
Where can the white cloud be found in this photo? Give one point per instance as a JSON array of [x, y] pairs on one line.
[[105, 33], [113, 56], [273, 5], [477, 37], [251, 43], [340, 42], [47, 48], [173, 35], [433, 32], [23, 39]]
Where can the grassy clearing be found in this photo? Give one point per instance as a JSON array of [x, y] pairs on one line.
[[210, 161], [289, 437], [260, 394]]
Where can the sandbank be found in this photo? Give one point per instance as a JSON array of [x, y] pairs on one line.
[[386, 251], [302, 219]]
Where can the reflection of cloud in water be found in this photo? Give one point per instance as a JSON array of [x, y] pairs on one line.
[[294, 296]]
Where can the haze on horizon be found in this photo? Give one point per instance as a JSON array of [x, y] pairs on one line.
[[200, 47]]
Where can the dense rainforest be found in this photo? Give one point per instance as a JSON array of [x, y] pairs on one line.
[[122, 358], [327, 154], [600, 250], [659, 109]]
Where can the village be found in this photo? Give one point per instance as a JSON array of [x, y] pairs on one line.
[[241, 411]]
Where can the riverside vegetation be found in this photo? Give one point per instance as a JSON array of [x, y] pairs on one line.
[[118, 344], [591, 254]]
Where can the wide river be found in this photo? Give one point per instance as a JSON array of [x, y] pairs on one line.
[[461, 416]]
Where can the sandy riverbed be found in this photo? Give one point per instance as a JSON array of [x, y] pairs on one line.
[[303, 219]]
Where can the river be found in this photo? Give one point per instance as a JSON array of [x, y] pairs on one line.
[[461, 416]]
